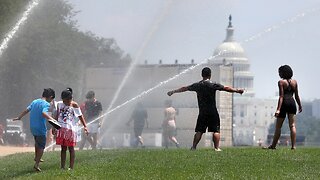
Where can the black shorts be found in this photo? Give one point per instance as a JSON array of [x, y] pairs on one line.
[[210, 121], [288, 107]]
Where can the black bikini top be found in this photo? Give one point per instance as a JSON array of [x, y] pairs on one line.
[[288, 92]]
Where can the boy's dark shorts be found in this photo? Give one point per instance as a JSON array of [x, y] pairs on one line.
[[210, 121], [40, 141]]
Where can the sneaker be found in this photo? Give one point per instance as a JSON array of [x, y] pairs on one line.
[[192, 149], [178, 145], [217, 149], [269, 147], [37, 168], [41, 160]]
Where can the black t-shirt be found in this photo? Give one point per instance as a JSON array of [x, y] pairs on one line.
[[92, 110], [139, 116], [206, 94]]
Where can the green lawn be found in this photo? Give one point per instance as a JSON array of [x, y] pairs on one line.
[[231, 163]]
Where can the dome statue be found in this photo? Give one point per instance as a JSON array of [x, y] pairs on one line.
[[231, 52]]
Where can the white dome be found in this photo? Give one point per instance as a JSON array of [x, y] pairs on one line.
[[229, 50]]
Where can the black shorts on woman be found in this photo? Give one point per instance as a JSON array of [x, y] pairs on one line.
[[288, 107]]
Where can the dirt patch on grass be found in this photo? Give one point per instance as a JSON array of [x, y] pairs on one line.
[[7, 150]]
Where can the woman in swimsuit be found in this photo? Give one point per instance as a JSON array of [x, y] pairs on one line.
[[286, 105]]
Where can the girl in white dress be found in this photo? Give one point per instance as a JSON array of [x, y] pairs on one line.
[[67, 113]]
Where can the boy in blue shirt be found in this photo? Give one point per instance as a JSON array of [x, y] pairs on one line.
[[38, 114]]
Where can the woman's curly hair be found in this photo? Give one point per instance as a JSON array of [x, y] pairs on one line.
[[285, 72]]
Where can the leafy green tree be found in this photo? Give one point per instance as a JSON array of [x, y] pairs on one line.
[[49, 51], [9, 13]]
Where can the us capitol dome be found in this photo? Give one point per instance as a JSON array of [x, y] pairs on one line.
[[231, 52]]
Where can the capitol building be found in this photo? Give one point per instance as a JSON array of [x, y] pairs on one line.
[[251, 116], [244, 119]]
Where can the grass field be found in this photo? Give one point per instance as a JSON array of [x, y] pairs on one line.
[[231, 163]]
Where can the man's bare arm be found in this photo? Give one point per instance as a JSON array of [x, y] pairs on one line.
[[182, 89], [233, 90]]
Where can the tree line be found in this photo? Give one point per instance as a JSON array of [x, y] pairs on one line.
[[48, 51]]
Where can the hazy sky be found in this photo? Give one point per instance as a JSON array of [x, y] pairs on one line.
[[192, 29]]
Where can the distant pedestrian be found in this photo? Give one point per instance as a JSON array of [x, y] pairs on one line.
[[259, 142], [286, 105], [67, 113], [39, 109], [169, 125], [208, 114], [92, 110], [139, 118], [1, 134]]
